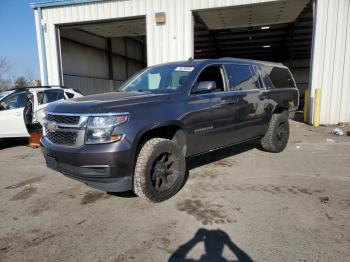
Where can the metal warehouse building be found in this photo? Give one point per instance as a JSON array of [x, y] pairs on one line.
[[94, 45]]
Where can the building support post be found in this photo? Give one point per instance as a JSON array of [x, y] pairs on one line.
[[43, 49], [317, 103]]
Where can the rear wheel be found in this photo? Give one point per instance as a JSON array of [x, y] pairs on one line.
[[160, 170], [277, 135]]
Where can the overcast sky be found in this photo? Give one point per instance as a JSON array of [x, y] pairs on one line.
[[18, 37]]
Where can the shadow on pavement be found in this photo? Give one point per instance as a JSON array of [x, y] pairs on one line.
[[127, 194], [299, 116], [214, 242], [207, 158], [8, 143]]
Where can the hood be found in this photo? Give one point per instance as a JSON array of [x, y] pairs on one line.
[[105, 103]]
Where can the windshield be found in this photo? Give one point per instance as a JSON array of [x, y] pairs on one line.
[[160, 79]]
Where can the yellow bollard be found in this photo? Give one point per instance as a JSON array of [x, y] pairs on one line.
[[317, 102], [306, 106]]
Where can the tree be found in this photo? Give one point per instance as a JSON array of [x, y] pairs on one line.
[[4, 68], [8, 80], [21, 82]]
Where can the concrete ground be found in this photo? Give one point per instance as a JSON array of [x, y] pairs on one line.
[[238, 204]]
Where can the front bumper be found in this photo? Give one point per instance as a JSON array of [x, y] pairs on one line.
[[108, 167]]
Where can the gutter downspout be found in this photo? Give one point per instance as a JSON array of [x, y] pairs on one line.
[[43, 49]]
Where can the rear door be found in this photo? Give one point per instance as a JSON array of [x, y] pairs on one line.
[[252, 100], [11, 115]]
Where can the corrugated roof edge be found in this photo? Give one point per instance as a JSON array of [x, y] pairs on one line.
[[53, 3]]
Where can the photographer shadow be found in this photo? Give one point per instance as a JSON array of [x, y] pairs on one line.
[[214, 242]]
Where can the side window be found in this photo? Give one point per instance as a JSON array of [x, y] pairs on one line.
[[49, 96], [241, 77], [14, 101], [213, 73], [40, 96], [276, 77]]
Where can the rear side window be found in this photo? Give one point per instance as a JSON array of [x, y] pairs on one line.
[[241, 77], [49, 96], [276, 77]]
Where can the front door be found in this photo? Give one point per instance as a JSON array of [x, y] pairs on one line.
[[252, 100], [11, 116], [213, 114]]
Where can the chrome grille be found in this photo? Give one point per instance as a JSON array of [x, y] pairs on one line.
[[65, 130], [64, 119], [62, 138]]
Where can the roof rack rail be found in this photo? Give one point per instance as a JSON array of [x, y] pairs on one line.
[[18, 89]]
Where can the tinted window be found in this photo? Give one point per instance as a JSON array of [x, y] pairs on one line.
[[14, 101], [275, 77], [241, 77], [49, 96]]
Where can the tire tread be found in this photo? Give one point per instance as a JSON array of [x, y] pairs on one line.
[[139, 187]]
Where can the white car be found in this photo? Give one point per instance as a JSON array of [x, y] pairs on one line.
[[12, 103]]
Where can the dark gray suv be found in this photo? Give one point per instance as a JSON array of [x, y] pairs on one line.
[[139, 137]]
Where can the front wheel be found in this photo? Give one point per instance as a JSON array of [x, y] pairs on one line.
[[277, 135], [160, 170]]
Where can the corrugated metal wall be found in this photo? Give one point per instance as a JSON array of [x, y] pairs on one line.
[[85, 61], [88, 85], [331, 60], [174, 40]]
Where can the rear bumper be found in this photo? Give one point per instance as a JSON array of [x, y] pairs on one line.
[[108, 167]]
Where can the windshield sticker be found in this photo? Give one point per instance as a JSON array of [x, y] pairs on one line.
[[184, 69]]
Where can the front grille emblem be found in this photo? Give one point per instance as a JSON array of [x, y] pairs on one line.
[[52, 127]]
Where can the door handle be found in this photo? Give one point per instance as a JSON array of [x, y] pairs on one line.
[[18, 114]]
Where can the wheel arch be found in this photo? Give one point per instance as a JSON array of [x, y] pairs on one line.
[[280, 108], [173, 130]]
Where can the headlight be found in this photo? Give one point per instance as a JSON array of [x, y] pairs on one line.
[[103, 129]]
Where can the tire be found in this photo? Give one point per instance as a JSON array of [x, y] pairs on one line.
[[160, 170], [277, 135]]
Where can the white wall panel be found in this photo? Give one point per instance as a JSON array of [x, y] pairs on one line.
[[330, 69], [344, 114]]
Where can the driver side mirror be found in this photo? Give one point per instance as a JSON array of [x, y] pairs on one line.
[[204, 87]]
